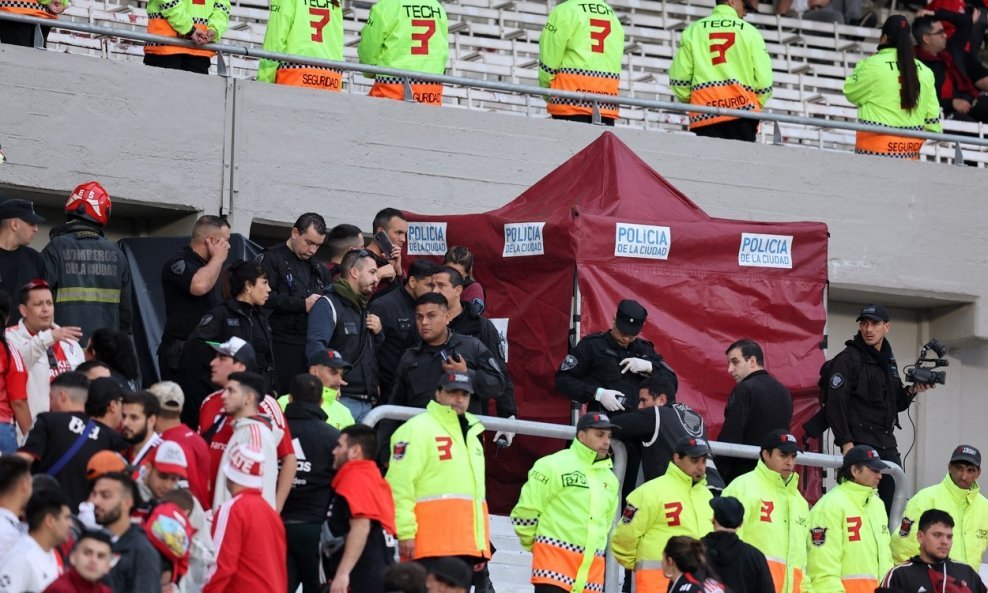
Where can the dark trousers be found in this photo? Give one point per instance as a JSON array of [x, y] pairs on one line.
[[289, 360], [586, 119], [303, 556], [21, 34], [886, 488], [735, 129], [189, 63]]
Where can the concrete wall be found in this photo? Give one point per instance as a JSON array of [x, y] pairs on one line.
[[170, 144]]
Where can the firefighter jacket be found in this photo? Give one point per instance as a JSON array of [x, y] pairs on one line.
[[656, 511], [776, 519], [874, 88], [310, 28], [721, 62], [563, 517], [437, 479], [968, 509], [580, 50], [406, 35], [89, 278], [176, 18], [849, 549]]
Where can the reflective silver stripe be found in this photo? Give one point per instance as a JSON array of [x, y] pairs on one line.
[[445, 497], [658, 423], [649, 565]]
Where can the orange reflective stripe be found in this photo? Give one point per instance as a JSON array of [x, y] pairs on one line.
[[797, 580], [445, 528], [888, 145], [27, 8], [426, 93], [322, 79], [557, 563], [160, 26], [726, 95], [778, 570], [586, 82], [652, 579], [859, 585]]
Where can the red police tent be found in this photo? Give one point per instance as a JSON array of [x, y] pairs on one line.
[[608, 223]]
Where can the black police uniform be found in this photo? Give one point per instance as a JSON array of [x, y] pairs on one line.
[[863, 399], [230, 319], [308, 500], [396, 309], [758, 404], [596, 362], [420, 368], [658, 430], [337, 322], [292, 280], [183, 310], [471, 323], [17, 268]]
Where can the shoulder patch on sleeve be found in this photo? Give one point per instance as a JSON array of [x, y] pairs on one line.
[[178, 267], [478, 305], [628, 514], [818, 536], [836, 380], [569, 362], [206, 319], [400, 448], [905, 527]]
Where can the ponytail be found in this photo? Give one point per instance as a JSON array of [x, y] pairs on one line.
[[898, 34]]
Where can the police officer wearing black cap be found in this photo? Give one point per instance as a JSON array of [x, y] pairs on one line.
[[605, 368], [19, 263], [864, 393]]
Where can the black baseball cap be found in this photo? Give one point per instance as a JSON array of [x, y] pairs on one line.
[[692, 447], [330, 358], [728, 511], [874, 312], [23, 209], [630, 317], [453, 572], [454, 380], [966, 454], [594, 420], [781, 440], [864, 455]]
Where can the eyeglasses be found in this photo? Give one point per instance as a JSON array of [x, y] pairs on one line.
[[940, 32]]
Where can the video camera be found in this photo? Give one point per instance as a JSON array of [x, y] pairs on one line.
[[922, 372]]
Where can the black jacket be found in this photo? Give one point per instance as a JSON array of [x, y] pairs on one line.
[[138, 565], [916, 576], [758, 404], [315, 440], [337, 322], [420, 368], [231, 319], [292, 280], [741, 567], [596, 362], [397, 312], [865, 395], [471, 323]]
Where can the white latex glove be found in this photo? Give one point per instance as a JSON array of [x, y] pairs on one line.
[[636, 365], [609, 398], [509, 437]]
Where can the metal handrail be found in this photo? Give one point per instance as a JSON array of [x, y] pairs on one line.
[[593, 98], [568, 432]]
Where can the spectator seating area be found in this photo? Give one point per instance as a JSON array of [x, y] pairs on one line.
[[498, 40]]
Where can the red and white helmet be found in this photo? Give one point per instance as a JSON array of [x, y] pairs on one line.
[[90, 202]]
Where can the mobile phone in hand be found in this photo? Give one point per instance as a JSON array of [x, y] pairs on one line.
[[384, 243]]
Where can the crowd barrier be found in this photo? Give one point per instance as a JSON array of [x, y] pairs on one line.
[[567, 433], [226, 49]]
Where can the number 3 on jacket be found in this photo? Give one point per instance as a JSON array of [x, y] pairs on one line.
[[445, 447]]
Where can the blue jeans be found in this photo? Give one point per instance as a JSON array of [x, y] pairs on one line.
[[358, 407], [8, 439]]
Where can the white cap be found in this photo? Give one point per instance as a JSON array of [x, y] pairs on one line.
[[245, 466]]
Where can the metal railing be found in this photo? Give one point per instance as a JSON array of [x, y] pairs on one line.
[[567, 432], [596, 100]]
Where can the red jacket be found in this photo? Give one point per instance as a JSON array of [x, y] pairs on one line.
[[250, 547], [197, 454], [71, 582]]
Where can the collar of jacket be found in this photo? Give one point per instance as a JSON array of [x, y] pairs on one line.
[[244, 309], [299, 410], [679, 475], [775, 478], [588, 455], [447, 417], [755, 374], [860, 493], [963, 497], [452, 339]]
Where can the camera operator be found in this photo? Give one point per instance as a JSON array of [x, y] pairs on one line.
[[864, 393]]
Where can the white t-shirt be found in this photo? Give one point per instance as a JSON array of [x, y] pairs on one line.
[[11, 530], [27, 568], [34, 351], [248, 431]]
